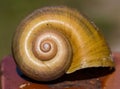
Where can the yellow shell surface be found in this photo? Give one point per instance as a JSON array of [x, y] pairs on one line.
[[89, 46]]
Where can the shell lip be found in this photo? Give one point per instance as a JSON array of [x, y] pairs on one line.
[[93, 72]]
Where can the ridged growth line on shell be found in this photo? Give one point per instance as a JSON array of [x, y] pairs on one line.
[[56, 40]]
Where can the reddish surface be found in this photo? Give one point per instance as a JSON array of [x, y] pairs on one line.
[[112, 81], [12, 78]]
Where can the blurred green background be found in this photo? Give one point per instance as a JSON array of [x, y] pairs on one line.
[[105, 14]]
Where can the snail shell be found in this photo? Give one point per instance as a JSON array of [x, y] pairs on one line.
[[56, 40]]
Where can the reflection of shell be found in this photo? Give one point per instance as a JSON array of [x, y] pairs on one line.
[[55, 40]]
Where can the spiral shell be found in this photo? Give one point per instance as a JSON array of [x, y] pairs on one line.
[[56, 40]]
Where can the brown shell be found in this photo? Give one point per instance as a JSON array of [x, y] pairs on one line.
[[83, 42]]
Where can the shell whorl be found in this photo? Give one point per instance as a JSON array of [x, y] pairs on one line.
[[44, 50], [55, 40]]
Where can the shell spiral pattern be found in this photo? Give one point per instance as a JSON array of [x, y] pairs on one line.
[[56, 40]]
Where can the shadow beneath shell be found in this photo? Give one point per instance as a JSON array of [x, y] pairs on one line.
[[82, 74]]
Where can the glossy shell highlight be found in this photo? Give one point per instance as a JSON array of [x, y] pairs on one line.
[[81, 39]]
